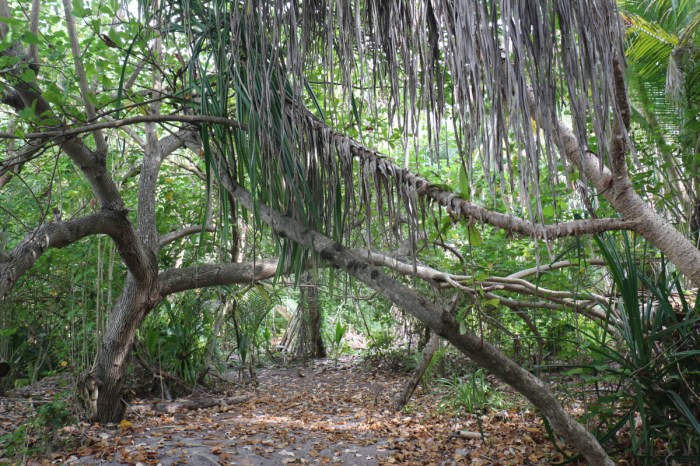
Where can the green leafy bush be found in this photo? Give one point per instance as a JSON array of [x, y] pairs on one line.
[[472, 393], [176, 337]]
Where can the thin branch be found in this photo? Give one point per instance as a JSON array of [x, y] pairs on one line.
[[517, 283], [82, 78], [454, 251], [554, 266], [137, 139], [69, 132], [186, 231], [513, 304], [34, 29], [128, 84]]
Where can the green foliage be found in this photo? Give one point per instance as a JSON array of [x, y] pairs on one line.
[[176, 335], [337, 340], [39, 433], [472, 393], [653, 356], [252, 304]]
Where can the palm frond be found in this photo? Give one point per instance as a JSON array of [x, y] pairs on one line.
[[252, 60]]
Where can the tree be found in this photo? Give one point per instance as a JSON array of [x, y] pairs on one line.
[[665, 88], [253, 87]]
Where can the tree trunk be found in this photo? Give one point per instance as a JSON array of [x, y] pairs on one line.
[[411, 384], [318, 350], [109, 372], [303, 337]]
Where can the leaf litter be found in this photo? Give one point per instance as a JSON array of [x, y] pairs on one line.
[[319, 414]]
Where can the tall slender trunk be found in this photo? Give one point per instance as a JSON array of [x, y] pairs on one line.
[[318, 349]]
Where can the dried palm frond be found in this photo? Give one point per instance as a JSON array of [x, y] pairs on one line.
[[253, 60]]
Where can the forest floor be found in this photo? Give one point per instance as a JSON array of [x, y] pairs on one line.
[[322, 413]]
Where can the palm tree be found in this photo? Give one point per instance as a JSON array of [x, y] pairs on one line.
[[664, 79]]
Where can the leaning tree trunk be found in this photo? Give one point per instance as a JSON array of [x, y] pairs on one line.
[[439, 319]]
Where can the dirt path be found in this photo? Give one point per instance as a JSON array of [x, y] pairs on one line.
[[315, 415]]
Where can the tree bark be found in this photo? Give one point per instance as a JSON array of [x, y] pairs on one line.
[[318, 350], [109, 372], [411, 384], [617, 188]]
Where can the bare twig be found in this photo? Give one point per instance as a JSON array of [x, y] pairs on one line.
[[186, 231], [69, 132]]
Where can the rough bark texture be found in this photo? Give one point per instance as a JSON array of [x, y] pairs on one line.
[[318, 350], [136, 301], [188, 278], [411, 384], [440, 320]]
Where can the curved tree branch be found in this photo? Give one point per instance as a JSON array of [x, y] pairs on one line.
[[200, 276], [138, 260], [58, 235], [186, 231], [457, 205], [618, 190], [554, 266]]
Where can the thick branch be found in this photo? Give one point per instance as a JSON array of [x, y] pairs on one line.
[[138, 260], [150, 167], [82, 78], [59, 235], [459, 206], [620, 193], [200, 276]]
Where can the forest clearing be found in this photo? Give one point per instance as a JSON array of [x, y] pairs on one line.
[[350, 231]]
